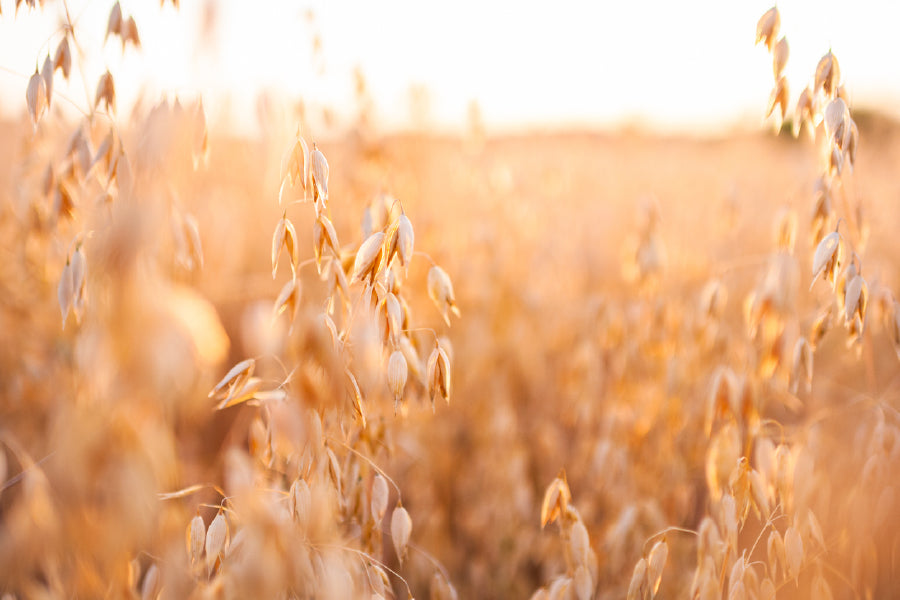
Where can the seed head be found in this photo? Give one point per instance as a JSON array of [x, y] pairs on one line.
[[401, 529], [780, 57], [440, 289], [828, 75], [768, 26], [397, 373], [368, 258], [36, 97]]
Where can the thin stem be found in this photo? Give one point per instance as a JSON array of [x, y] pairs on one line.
[[371, 463], [368, 558], [664, 532]]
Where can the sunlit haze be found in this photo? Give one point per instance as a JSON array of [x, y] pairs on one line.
[[688, 66]]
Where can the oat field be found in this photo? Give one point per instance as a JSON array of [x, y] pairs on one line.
[[562, 365]]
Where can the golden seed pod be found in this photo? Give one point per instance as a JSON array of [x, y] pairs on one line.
[[106, 92], [389, 317], [195, 537], [438, 375], [815, 529], [288, 300], [401, 529], [114, 23], [324, 238], [295, 165], [793, 552], [234, 378], [856, 299], [709, 541], [412, 358], [556, 499], [405, 240], [655, 564], [804, 113], [828, 75], [441, 589], [36, 97], [397, 373], [285, 236], [836, 128], [768, 26], [318, 173], [776, 555], [440, 290], [129, 33], [637, 587], [47, 75], [368, 258], [216, 536], [779, 97], [379, 502], [579, 543], [826, 259], [151, 584], [63, 58], [780, 57]]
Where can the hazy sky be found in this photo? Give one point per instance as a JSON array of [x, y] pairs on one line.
[[676, 65]]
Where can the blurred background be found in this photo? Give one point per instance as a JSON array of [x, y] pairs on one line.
[[622, 230], [686, 66]]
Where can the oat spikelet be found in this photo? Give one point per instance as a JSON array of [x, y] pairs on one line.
[[793, 552], [556, 499], [379, 503], [47, 75], [216, 536], [801, 366], [780, 57], [655, 564], [440, 290], [196, 534], [828, 74], [36, 97], [285, 236], [437, 375], [768, 26], [62, 59], [826, 259], [318, 175], [779, 97], [368, 258], [324, 238], [106, 92], [288, 300], [234, 378], [401, 529], [114, 22], [397, 373], [637, 588]]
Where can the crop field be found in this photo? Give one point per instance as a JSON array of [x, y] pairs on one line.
[[564, 364]]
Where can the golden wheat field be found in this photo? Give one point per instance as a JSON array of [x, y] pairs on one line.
[[572, 364]]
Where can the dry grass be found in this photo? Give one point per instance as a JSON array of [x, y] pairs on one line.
[[566, 365]]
